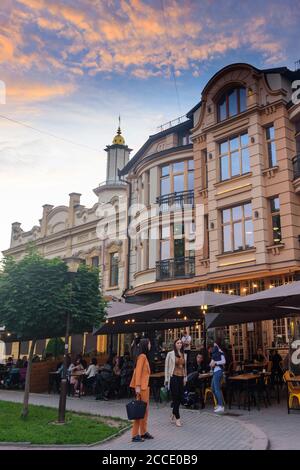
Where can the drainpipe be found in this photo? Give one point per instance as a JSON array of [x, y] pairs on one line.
[[128, 241]]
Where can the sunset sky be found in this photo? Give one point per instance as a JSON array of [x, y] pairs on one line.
[[71, 67]]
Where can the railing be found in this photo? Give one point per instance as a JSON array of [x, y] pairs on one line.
[[175, 268], [174, 122], [176, 201], [296, 166]]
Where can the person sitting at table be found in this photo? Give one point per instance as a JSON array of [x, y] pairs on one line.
[[104, 380], [126, 375], [74, 371], [194, 380], [116, 382], [25, 361], [276, 371], [9, 362], [259, 357], [89, 378]]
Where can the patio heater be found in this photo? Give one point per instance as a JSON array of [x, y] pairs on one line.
[[204, 311], [73, 264]]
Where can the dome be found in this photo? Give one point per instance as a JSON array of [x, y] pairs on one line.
[[119, 139]]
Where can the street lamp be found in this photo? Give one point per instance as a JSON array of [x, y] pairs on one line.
[[73, 264]]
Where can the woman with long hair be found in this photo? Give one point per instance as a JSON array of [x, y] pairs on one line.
[[175, 377], [140, 383]]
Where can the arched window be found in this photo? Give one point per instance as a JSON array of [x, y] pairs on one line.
[[232, 102]]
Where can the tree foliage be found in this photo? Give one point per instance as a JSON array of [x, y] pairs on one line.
[[36, 296], [37, 293]]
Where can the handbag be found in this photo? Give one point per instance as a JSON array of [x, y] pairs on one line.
[[136, 409], [163, 394]]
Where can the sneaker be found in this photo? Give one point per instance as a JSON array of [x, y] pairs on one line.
[[219, 409], [147, 435]]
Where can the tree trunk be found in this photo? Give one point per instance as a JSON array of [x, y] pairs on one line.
[[27, 381]]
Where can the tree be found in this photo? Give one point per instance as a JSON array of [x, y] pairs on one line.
[[36, 295]]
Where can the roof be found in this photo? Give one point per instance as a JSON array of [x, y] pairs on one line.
[[188, 124]]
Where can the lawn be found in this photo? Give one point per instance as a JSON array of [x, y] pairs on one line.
[[40, 428]]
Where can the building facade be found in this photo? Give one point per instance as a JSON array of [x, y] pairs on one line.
[[233, 167], [76, 230], [242, 169]]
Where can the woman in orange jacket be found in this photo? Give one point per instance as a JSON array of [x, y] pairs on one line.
[[140, 382]]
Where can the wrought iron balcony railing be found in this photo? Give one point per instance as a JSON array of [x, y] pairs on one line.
[[175, 268], [175, 201], [296, 166]]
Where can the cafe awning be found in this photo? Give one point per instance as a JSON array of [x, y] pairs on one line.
[[277, 302], [183, 311]]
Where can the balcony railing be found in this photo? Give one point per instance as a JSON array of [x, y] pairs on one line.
[[175, 201], [175, 268], [296, 166]]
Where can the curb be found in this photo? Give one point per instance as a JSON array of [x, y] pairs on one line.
[[260, 439]]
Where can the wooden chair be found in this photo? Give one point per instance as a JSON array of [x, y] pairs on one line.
[[293, 392], [208, 391]]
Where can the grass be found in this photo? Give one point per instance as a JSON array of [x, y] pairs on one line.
[[40, 428]]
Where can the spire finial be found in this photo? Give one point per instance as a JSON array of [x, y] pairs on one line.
[[119, 139]]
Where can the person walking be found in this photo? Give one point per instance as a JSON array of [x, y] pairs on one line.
[[217, 364], [140, 382], [175, 377]]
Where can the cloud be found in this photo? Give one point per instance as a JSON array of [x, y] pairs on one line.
[[137, 37], [33, 92]]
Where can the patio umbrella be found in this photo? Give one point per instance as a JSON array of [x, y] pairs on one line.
[[113, 327], [270, 304], [184, 310]]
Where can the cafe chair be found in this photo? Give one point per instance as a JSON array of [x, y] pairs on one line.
[[208, 391], [293, 392]]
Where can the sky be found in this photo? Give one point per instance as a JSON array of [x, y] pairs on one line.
[[70, 68]]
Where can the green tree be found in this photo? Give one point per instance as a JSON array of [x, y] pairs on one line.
[[37, 295]]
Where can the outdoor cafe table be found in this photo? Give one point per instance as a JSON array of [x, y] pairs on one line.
[[242, 378], [254, 366]]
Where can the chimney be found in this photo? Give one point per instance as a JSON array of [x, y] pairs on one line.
[[47, 208], [73, 204]]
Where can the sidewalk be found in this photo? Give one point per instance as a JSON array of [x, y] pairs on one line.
[[202, 430]]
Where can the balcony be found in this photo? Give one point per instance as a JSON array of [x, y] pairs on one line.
[[296, 169], [175, 268], [175, 201]]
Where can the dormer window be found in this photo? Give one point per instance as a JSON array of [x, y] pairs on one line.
[[231, 103]]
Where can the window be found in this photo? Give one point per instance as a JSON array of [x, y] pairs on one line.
[[191, 175], [184, 139], [234, 157], [179, 250], [95, 261], [177, 177], [237, 228], [165, 187], [114, 269], [232, 103], [276, 225], [165, 242], [270, 138]]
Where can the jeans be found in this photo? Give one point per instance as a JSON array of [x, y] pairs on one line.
[[177, 391], [216, 386]]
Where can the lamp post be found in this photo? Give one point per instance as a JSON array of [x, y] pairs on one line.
[[73, 264]]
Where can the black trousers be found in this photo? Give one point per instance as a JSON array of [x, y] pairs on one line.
[[177, 389]]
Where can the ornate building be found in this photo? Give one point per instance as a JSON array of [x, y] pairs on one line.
[[237, 156], [76, 230]]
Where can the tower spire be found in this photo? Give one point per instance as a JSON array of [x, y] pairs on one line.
[[119, 139]]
